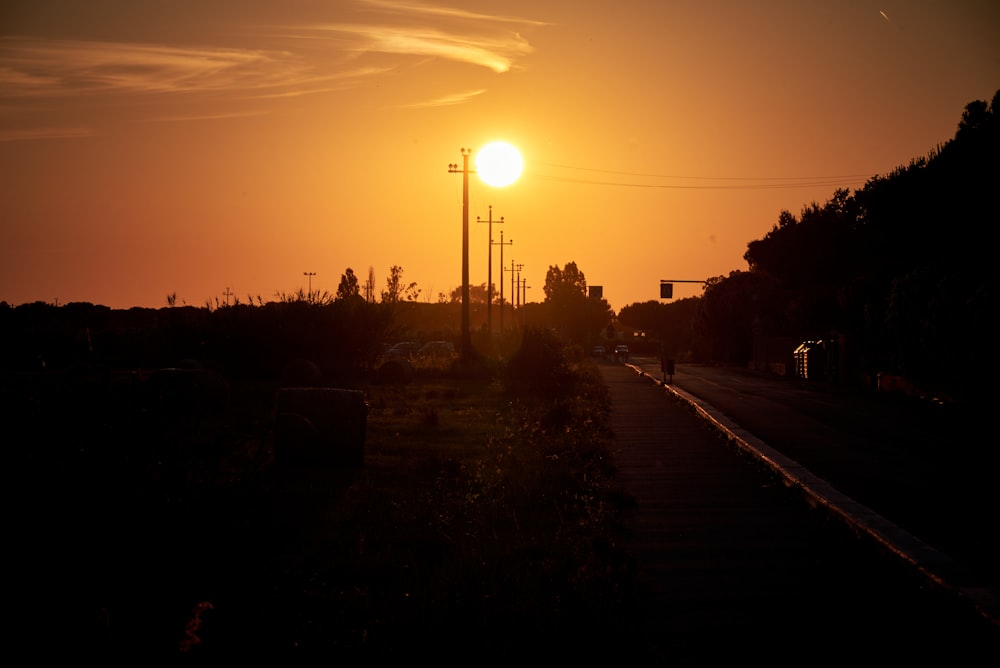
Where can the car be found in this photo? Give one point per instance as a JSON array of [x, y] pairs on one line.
[[403, 350], [437, 349], [621, 351], [598, 351]]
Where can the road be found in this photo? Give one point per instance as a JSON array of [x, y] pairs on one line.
[[926, 468]]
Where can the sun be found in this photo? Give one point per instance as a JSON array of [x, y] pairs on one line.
[[499, 164]]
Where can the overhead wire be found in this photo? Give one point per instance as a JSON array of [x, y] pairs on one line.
[[718, 182]]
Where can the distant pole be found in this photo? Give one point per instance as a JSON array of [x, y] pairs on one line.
[[513, 292], [501, 243], [227, 295], [310, 274], [519, 268], [489, 270], [466, 352]]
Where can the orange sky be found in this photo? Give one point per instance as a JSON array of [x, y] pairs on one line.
[[150, 147]]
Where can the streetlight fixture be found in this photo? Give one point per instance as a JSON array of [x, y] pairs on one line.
[[310, 274]]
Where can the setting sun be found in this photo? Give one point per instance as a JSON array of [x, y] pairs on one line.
[[499, 164]]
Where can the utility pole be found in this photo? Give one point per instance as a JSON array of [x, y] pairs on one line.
[[519, 268], [489, 270], [310, 274], [513, 294], [466, 352], [227, 295], [501, 243]]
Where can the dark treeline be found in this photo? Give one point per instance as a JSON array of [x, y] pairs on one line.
[[240, 341], [342, 336], [895, 279], [892, 281]]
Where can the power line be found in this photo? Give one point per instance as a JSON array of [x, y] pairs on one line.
[[720, 182], [706, 178], [673, 186]]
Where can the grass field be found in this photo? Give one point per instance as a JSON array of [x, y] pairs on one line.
[[482, 522]]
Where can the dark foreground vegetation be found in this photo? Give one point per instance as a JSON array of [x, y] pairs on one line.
[[480, 523], [151, 516]]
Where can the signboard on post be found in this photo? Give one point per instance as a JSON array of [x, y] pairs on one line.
[[667, 368]]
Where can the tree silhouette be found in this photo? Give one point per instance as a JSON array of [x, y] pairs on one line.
[[567, 283], [370, 286], [568, 307], [477, 294], [899, 272], [395, 291], [348, 287]]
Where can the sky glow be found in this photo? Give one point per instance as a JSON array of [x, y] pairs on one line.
[[149, 148]]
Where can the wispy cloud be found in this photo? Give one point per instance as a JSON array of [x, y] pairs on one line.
[[487, 40], [29, 134], [448, 100], [35, 67], [177, 118], [494, 52], [308, 59], [415, 8]]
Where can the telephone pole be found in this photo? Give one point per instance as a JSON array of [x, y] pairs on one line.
[[519, 268], [489, 269], [513, 294], [501, 243], [466, 352]]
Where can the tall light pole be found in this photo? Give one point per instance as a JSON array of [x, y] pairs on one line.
[[501, 243], [310, 274], [489, 270], [466, 352]]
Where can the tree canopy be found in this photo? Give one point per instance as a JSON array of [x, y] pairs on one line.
[[901, 269]]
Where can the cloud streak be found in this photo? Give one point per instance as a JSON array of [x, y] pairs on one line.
[[447, 100], [414, 8], [40, 73], [29, 134], [35, 67], [495, 53], [441, 32]]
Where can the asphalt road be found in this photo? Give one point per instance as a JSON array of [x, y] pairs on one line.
[[734, 566], [922, 472]]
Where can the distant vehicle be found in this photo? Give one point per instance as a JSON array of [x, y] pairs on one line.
[[621, 352], [403, 350], [598, 351], [437, 349]]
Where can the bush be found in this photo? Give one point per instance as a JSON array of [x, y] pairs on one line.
[[539, 366]]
